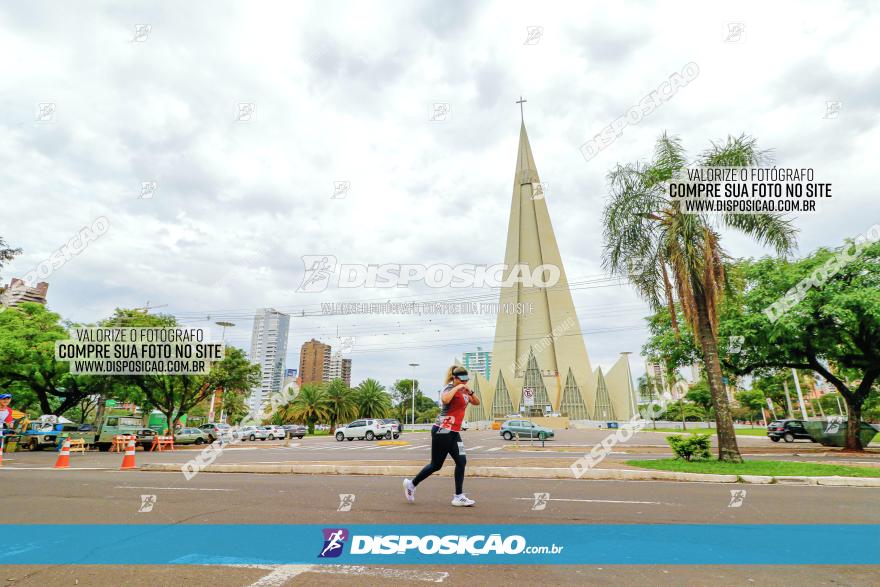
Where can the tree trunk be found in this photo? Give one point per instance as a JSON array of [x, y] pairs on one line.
[[853, 424], [727, 446]]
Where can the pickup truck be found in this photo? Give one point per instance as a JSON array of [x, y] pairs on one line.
[[101, 435]]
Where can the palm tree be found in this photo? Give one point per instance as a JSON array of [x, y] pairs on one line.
[[661, 249], [310, 406], [340, 403], [371, 400]]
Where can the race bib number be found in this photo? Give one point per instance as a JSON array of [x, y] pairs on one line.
[[445, 423], [461, 448]]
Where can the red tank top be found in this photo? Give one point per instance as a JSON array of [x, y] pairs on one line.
[[452, 414]]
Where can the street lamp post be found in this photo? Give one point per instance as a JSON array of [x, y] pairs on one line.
[[222, 341], [414, 389]]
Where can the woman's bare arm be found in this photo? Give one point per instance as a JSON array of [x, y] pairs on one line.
[[447, 396]]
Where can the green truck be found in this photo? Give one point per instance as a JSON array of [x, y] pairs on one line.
[[106, 427]]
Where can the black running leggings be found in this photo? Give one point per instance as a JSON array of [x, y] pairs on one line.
[[444, 442]]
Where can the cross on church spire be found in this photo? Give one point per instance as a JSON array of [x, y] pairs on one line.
[[520, 102]]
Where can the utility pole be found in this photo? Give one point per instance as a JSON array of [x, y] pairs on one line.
[[414, 387], [797, 387], [787, 398], [222, 341]]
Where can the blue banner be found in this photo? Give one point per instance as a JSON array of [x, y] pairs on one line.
[[610, 544]]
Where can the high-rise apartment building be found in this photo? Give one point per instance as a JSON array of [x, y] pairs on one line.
[[268, 348], [18, 292], [338, 368], [314, 361], [478, 361]]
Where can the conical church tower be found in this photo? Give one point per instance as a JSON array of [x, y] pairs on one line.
[[543, 347]]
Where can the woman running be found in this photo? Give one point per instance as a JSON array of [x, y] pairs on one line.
[[445, 437]]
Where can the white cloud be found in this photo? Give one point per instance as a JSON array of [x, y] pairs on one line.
[[342, 92]]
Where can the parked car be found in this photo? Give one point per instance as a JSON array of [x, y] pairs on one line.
[[361, 429], [145, 437], [276, 432], [253, 433], [297, 430], [524, 429], [217, 430], [787, 430], [395, 426], [191, 436]]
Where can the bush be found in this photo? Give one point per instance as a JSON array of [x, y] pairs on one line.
[[695, 446]]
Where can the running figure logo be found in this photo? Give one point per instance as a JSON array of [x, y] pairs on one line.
[[737, 497], [541, 500], [346, 500], [147, 503], [318, 270], [334, 540]]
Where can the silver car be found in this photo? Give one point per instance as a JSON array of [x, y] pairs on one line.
[[252, 433]]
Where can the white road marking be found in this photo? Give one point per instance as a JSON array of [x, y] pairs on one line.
[[494, 448], [54, 469], [417, 447], [174, 488], [598, 500], [406, 574], [281, 575], [475, 447]]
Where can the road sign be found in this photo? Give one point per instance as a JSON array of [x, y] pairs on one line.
[[528, 396]]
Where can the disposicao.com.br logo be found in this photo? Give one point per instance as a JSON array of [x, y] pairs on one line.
[[393, 544], [319, 271]]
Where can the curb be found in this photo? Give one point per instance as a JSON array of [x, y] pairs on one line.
[[523, 473]]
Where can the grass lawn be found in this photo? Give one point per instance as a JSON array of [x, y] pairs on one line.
[[739, 431], [774, 468]]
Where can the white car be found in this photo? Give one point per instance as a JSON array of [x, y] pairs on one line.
[[252, 433], [361, 429], [276, 433]]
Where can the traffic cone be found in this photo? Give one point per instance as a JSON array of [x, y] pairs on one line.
[[63, 461], [128, 459]]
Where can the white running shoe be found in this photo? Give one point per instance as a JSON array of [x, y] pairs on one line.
[[462, 501], [410, 490]]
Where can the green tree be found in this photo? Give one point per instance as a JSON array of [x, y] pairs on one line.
[[371, 400], [310, 406], [752, 400], [692, 412], [402, 395], [700, 395], [340, 403], [28, 367], [669, 255], [6, 253], [175, 395], [832, 329], [235, 405]]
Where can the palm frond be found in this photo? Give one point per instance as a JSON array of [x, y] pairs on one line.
[[772, 230]]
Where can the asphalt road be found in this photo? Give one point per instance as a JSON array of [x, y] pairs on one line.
[[83, 495], [482, 445]]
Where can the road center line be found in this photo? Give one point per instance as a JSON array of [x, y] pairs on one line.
[[175, 488], [597, 500]]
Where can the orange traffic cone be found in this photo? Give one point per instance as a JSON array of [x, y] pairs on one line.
[[128, 459], [63, 461]]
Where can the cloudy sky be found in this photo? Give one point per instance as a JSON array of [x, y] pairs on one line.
[[100, 98]]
